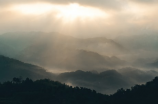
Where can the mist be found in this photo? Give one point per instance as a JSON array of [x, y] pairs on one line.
[[113, 43]]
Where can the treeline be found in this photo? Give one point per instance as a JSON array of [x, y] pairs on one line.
[[139, 94], [45, 91]]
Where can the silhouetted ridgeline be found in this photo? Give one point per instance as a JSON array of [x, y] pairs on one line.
[[139, 94], [45, 91], [106, 82], [10, 68]]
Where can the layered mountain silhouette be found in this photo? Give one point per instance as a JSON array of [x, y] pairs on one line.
[[7, 50], [10, 68], [105, 82], [143, 48], [19, 40], [56, 51], [85, 61]]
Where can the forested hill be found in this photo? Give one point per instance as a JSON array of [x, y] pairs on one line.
[[139, 94], [45, 91], [10, 68]]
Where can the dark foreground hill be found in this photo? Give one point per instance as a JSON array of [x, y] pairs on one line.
[[139, 94], [10, 68], [46, 91]]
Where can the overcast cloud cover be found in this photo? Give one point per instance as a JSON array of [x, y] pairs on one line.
[[124, 17]]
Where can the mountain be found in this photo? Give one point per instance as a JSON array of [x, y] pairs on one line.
[[105, 82], [45, 91], [139, 94], [19, 40], [143, 48], [7, 50], [56, 51], [70, 59], [10, 68], [103, 46]]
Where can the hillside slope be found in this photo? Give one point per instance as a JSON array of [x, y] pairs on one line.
[[10, 68], [46, 91]]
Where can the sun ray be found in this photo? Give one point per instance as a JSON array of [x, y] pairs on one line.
[[69, 12], [74, 11]]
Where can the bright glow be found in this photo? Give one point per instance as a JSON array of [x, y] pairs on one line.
[[33, 9], [74, 11], [69, 12]]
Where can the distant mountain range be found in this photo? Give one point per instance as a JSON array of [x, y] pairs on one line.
[[7, 50], [105, 82], [56, 51]]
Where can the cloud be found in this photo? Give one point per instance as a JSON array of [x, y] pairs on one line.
[[145, 1], [113, 4], [123, 17]]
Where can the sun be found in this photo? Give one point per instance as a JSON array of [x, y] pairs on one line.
[[69, 12]]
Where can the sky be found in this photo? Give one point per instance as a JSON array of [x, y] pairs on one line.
[[80, 18], [111, 38]]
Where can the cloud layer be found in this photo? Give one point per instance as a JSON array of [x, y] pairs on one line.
[[125, 17]]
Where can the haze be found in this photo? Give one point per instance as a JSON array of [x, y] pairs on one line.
[[97, 37], [80, 18]]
